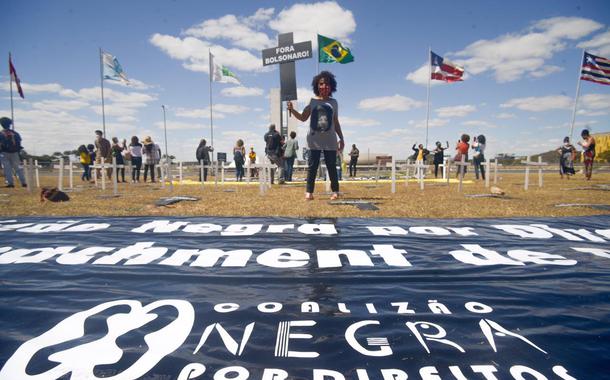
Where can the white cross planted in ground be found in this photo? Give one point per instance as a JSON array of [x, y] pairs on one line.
[[393, 189], [461, 168], [488, 166], [264, 175], [180, 172], [418, 168], [528, 163], [60, 180], [202, 167]]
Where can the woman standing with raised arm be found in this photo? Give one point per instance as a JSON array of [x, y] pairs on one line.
[[588, 144], [324, 128]]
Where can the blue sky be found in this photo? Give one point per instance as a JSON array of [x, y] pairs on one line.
[[521, 60]]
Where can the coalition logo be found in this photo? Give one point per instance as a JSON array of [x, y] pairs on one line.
[[81, 360]]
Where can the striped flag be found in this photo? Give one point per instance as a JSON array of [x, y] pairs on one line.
[[14, 77], [595, 69], [445, 70]]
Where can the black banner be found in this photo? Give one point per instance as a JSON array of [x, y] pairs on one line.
[[322, 299]]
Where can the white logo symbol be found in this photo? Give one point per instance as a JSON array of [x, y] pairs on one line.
[[80, 360]]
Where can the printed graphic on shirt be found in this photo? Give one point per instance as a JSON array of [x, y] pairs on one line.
[[322, 115]]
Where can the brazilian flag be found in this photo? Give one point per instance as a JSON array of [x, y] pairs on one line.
[[331, 51]]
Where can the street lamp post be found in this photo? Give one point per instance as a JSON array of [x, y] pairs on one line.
[[167, 162]]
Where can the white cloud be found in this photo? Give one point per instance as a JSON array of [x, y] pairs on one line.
[[545, 70], [241, 91], [236, 30], [347, 121], [539, 104], [390, 103], [306, 20], [511, 56], [599, 45], [480, 124], [30, 88], [219, 111], [261, 16], [177, 125], [505, 115], [60, 105], [595, 102], [455, 111], [230, 108], [432, 123], [195, 54]]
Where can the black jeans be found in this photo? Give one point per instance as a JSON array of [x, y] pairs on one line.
[[330, 157], [136, 166], [352, 166], [150, 167]]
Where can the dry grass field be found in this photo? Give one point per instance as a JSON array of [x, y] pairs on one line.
[[437, 200]]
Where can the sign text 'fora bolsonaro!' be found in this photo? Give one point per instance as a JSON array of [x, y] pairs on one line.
[[288, 53]]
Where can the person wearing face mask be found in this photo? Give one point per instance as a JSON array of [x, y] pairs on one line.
[[324, 128]]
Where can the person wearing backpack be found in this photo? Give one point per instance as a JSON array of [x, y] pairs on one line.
[[10, 146]]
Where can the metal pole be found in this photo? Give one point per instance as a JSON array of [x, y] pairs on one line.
[[102, 86], [428, 96], [11, 85], [167, 163], [576, 98], [211, 117]]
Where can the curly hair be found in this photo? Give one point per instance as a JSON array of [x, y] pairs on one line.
[[330, 79]]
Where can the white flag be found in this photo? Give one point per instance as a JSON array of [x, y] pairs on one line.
[[112, 68], [220, 73]]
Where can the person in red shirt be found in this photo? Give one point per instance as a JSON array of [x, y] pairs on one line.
[[462, 151]]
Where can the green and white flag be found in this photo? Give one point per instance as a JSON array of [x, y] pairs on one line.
[[331, 51], [220, 73]]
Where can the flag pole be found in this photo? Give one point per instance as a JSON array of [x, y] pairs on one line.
[[318, 61], [102, 86], [211, 117], [11, 85], [428, 95], [576, 98]]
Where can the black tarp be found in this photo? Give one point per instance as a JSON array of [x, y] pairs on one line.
[[130, 298]]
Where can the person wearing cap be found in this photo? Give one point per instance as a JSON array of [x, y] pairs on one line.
[[10, 146], [103, 153]]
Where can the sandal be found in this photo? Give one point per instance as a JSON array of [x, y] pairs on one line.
[[334, 196], [308, 196]]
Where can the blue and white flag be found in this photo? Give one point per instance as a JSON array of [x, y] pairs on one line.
[[112, 68]]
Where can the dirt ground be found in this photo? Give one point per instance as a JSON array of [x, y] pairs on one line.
[[437, 200]]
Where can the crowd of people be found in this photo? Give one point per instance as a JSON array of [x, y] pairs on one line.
[[137, 153], [324, 140]]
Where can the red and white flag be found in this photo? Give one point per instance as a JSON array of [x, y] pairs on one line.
[[445, 70], [14, 76]]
